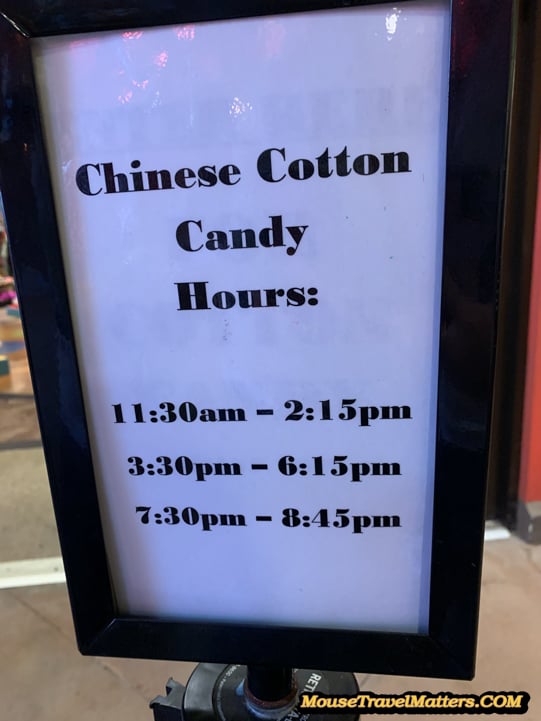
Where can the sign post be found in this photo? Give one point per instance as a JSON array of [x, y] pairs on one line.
[[253, 326]]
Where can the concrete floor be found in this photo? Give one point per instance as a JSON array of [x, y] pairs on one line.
[[43, 678]]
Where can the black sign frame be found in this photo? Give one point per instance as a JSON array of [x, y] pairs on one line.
[[475, 180]]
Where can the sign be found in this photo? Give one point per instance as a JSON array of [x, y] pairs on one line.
[[254, 301], [250, 226]]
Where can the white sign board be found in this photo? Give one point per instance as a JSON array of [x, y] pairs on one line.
[[251, 214]]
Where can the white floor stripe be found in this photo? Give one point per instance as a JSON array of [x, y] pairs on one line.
[[31, 572], [496, 532]]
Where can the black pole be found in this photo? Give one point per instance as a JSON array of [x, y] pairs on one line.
[[269, 686]]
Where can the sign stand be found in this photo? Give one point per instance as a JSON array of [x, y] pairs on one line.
[[258, 259], [243, 693]]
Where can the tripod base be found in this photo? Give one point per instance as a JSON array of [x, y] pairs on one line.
[[215, 692]]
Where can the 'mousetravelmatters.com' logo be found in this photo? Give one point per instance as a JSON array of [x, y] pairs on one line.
[[502, 702]]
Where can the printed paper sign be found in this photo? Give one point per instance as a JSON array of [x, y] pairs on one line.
[[251, 216]]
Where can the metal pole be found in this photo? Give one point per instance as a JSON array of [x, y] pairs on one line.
[[269, 690]]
